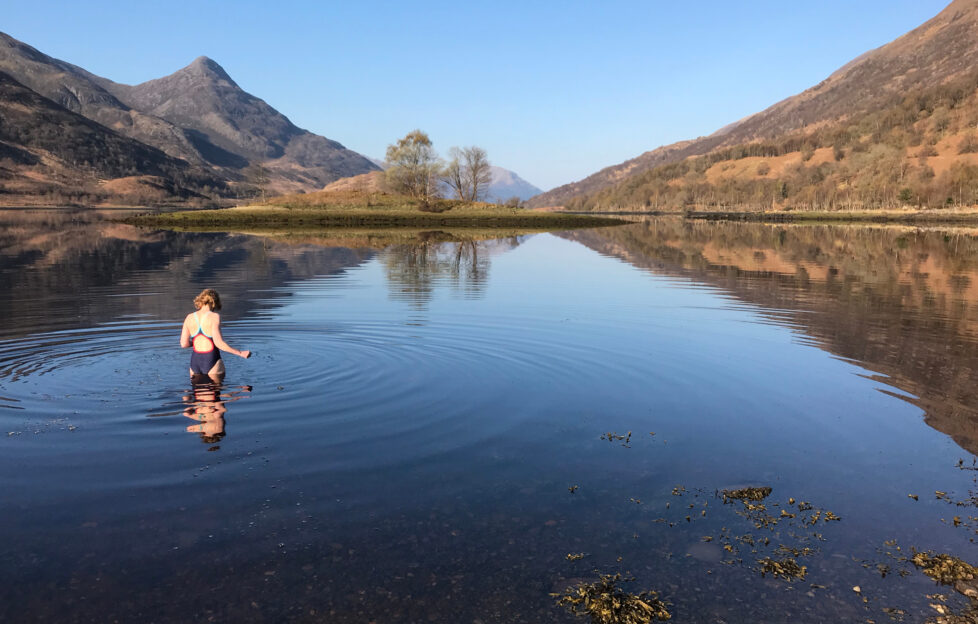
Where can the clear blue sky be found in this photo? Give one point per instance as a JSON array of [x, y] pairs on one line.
[[553, 90]]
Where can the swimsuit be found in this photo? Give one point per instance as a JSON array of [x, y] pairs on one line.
[[201, 362]]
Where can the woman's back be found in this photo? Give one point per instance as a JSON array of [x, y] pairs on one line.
[[202, 331], [202, 322]]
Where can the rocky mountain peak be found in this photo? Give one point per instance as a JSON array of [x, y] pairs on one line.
[[206, 67]]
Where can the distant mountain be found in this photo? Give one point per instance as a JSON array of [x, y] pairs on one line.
[[506, 184], [198, 114], [940, 50]]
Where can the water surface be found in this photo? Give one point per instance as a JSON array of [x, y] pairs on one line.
[[404, 443]]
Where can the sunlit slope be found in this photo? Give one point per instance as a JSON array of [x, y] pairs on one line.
[[941, 50]]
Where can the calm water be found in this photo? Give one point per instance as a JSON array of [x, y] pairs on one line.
[[403, 444]]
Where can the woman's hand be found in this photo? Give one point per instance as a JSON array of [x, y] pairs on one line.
[[245, 354]]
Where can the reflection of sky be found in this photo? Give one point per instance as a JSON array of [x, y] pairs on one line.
[[687, 340], [365, 426]]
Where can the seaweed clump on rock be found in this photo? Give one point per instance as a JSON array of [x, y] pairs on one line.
[[945, 569], [755, 494], [786, 568], [607, 603]]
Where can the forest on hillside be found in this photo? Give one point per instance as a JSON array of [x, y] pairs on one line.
[[920, 150]]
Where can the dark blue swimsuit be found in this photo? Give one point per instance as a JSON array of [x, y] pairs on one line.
[[201, 362]]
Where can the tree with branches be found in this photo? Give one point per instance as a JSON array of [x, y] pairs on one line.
[[468, 173], [414, 166]]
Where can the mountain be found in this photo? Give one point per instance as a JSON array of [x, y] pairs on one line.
[[48, 150], [79, 91], [203, 99], [198, 114], [506, 184], [941, 50]]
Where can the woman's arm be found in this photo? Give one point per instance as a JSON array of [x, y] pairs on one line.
[[223, 346], [184, 336]]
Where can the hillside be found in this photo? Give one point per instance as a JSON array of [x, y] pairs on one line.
[[943, 49], [198, 115], [50, 152], [203, 100], [372, 182], [79, 92], [919, 150]]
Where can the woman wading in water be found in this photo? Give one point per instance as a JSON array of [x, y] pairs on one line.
[[202, 330]]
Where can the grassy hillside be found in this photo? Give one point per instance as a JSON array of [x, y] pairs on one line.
[[941, 50], [370, 210], [919, 150]]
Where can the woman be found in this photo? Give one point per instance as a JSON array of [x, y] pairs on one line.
[[202, 330]]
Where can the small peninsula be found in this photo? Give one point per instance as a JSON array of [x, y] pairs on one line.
[[369, 209]]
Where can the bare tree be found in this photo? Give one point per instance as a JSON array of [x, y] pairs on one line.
[[454, 172], [479, 172], [468, 173]]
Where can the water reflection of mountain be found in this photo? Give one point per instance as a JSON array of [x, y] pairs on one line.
[[61, 270], [898, 301]]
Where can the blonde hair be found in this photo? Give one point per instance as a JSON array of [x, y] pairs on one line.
[[208, 297]]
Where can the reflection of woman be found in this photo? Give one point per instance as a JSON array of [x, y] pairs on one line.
[[207, 408], [206, 405], [202, 330]]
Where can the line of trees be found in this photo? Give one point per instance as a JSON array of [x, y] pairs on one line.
[[414, 168]]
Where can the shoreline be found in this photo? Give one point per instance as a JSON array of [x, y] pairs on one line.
[[954, 216], [364, 216], [862, 216]]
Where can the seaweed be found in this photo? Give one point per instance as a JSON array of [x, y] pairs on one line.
[[605, 602], [943, 568], [756, 494], [614, 436], [786, 568]]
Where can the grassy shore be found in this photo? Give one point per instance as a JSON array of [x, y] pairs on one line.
[[949, 216], [374, 238], [368, 210]]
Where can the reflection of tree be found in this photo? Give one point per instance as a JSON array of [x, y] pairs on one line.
[[415, 270], [900, 301]]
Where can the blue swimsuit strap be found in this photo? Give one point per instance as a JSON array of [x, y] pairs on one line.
[[200, 328]]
